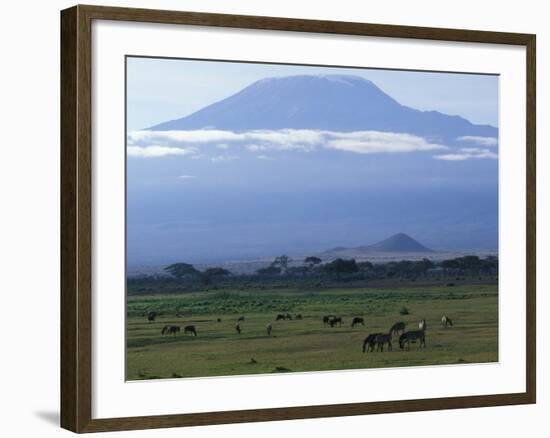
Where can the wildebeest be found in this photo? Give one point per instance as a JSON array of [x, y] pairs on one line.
[[280, 317], [151, 316], [370, 342], [381, 339], [298, 316], [412, 336], [170, 330], [241, 318], [337, 320], [446, 321], [422, 325], [190, 329], [238, 328], [269, 327], [288, 316], [357, 320], [398, 327]]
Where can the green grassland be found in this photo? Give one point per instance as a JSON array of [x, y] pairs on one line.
[[307, 345]]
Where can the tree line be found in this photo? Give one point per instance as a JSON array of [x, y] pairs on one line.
[[470, 265]]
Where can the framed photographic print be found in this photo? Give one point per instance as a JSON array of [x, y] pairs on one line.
[[269, 218]]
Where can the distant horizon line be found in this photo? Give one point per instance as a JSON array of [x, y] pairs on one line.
[[297, 257]]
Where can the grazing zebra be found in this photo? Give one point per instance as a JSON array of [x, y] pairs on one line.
[[269, 327], [190, 329], [241, 318], [370, 342], [446, 321], [357, 320], [384, 338], [411, 337], [422, 325], [170, 330], [151, 316], [398, 327], [238, 328]]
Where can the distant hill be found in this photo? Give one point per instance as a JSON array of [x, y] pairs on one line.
[[398, 243], [342, 103]]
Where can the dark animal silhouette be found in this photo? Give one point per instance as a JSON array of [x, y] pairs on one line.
[[411, 337], [280, 317], [170, 330], [384, 338], [269, 328], [241, 318], [219, 320], [398, 327], [288, 316], [446, 321], [299, 316], [370, 342], [238, 328], [357, 320], [327, 319], [151, 316], [190, 329]]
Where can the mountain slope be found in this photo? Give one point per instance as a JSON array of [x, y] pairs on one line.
[[331, 102], [398, 243]]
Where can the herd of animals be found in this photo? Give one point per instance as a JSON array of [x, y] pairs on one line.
[[372, 341]]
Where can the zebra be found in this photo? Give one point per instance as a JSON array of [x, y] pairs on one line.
[[381, 339], [422, 325], [190, 329], [446, 321], [398, 327], [370, 342], [412, 336]]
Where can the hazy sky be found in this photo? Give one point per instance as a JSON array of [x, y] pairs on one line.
[[167, 89]]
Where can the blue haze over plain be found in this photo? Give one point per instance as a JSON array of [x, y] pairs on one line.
[[246, 198]]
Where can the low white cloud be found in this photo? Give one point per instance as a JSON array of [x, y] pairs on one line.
[[374, 142], [480, 141], [187, 176], [209, 142], [466, 154], [221, 158], [153, 151], [282, 137]]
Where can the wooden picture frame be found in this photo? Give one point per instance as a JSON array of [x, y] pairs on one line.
[[76, 217]]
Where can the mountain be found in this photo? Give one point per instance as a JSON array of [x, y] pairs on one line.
[[330, 102], [398, 243]]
